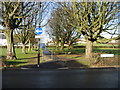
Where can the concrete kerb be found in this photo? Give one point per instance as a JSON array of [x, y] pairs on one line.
[[65, 68]]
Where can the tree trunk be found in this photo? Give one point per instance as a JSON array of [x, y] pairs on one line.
[[34, 46], [29, 48], [62, 45], [89, 47], [70, 45], [23, 49], [57, 45], [10, 45]]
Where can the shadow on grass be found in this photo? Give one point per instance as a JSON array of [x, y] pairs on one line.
[[14, 62], [78, 51], [4, 58], [31, 53], [95, 50], [109, 51], [10, 62], [77, 56], [27, 58]]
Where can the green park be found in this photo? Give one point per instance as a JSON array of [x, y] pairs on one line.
[[76, 34], [65, 44], [77, 54]]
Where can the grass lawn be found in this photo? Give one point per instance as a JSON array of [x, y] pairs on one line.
[[97, 44], [78, 54], [22, 59], [115, 51]]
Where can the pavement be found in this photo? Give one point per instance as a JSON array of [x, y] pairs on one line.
[[55, 74], [46, 52], [60, 78]]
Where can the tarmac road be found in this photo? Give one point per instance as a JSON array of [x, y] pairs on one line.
[[55, 78]]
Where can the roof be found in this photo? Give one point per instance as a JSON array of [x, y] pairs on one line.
[[2, 36]]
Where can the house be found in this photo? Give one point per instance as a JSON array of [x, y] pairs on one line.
[[3, 41], [43, 46], [51, 43], [114, 41], [81, 41]]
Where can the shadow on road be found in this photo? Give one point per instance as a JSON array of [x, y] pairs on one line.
[[57, 64]]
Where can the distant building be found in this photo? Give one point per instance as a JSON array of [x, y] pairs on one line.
[[51, 43], [114, 41], [81, 41], [43, 46], [3, 41]]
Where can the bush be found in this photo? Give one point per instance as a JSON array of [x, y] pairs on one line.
[[95, 58]]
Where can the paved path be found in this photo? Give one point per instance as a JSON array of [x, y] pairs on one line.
[[81, 78], [46, 52]]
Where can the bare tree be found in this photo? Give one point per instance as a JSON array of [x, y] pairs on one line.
[[24, 34], [61, 31], [11, 18], [93, 18]]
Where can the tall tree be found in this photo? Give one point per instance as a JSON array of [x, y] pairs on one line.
[[23, 34], [93, 18], [61, 31], [26, 33], [11, 18]]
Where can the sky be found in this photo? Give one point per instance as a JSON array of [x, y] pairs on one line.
[[44, 36], [104, 34]]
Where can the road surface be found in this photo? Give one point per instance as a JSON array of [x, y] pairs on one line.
[[55, 78]]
